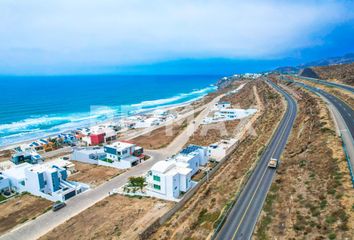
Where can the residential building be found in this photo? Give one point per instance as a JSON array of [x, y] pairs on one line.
[[88, 155], [44, 180], [122, 155], [219, 150], [29, 156], [194, 156], [170, 178], [228, 114], [4, 183], [231, 114], [222, 104], [97, 135]]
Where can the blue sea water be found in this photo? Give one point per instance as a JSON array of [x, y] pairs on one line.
[[33, 107]]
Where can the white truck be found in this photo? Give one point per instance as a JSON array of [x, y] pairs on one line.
[[273, 163]]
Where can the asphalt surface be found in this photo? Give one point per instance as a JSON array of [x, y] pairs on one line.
[[243, 216], [330, 84]]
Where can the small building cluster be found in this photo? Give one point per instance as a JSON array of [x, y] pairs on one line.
[[145, 120]]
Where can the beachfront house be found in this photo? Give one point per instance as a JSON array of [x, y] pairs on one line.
[[122, 155], [170, 178], [44, 180]]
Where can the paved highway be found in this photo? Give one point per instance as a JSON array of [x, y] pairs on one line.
[[327, 83], [243, 216]]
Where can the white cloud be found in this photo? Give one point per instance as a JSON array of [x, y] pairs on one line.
[[114, 32]]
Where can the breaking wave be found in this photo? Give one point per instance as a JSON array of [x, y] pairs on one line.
[[46, 125]]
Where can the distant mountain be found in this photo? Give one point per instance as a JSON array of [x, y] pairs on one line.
[[348, 58], [302, 69]]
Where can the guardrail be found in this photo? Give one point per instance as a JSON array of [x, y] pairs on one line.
[[348, 160]]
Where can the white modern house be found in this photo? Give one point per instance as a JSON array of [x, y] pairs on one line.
[[122, 155], [228, 114], [222, 104], [4, 183], [231, 114], [219, 150], [44, 180], [88, 154], [28, 155], [170, 178]]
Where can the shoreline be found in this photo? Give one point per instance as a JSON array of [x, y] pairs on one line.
[[114, 119]]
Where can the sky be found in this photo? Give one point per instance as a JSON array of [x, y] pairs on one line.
[[163, 37]]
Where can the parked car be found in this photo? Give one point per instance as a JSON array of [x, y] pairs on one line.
[[58, 205]]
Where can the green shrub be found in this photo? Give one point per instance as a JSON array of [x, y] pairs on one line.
[[332, 236]]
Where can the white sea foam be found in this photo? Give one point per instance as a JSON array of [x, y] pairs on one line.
[[51, 124]]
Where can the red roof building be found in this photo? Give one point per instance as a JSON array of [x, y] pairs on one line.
[[97, 138]]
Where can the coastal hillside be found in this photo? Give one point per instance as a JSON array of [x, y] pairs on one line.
[[343, 73]]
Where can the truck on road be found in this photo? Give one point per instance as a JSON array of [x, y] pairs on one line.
[[273, 163]]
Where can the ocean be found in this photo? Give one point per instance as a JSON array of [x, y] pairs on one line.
[[34, 107]]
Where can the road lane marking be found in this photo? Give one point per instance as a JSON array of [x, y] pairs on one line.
[[259, 183]]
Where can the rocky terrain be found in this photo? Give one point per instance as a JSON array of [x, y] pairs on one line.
[[343, 73]]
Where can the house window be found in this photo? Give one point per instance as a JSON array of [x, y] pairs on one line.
[[156, 178], [158, 187]]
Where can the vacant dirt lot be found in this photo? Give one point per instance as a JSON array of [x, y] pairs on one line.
[[20, 209], [115, 217], [5, 155], [312, 196], [243, 99], [162, 136], [93, 174], [201, 214]]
